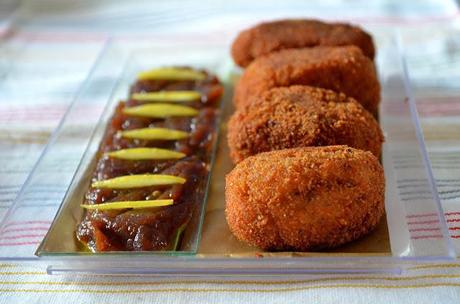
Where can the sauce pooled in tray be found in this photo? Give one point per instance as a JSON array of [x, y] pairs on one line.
[[153, 163]]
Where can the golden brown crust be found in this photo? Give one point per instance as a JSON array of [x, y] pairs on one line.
[[301, 116], [305, 198], [269, 37], [341, 69]]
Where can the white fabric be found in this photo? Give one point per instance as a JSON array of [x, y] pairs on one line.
[[47, 49]]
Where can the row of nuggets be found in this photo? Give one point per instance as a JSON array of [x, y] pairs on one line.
[[304, 138]]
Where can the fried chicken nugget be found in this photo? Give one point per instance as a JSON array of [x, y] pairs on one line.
[[273, 36], [341, 69], [305, 199], [301, 116]]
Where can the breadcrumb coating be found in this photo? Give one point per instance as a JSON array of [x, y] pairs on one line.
[[269, 37], [305, 199], [301, 116], [341, 69]]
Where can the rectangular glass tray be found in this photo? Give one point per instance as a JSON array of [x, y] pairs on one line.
[[62, 168]]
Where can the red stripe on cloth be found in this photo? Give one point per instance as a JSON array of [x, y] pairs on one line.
[[25, 223], [434, 236], [24, 229], [421, 215], [21, 236], [424, 229], [452, 213], [431, 214], [453, 220], [427, 109], [20, 243], [423, 222], [439, 106]]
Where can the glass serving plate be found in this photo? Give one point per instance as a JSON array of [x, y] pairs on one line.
[[210, 248], [60, 239]]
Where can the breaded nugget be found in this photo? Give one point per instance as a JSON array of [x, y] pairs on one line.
[[305, 199], [301, 116], [341, 69], [273, 36]]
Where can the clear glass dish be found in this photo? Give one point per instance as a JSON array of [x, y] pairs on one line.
[[388, 249]]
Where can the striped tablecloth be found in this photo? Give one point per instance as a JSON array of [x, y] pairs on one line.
[[43, 61]]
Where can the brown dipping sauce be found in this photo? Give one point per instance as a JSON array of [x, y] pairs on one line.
[[152, 228]]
